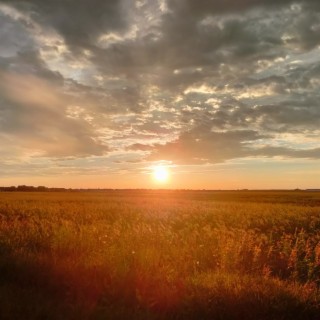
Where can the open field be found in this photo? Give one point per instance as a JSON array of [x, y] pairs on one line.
[[160, 255]]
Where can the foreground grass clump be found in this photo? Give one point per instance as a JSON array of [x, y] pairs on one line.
[[160, 255]]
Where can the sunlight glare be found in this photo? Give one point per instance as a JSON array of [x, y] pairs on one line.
[[161, 174]]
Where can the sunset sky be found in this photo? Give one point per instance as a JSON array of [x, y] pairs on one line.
[[225, 94]]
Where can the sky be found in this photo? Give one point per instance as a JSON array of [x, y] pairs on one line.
[[95, 94]]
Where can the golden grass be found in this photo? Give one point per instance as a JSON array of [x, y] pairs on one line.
[[160, 255]]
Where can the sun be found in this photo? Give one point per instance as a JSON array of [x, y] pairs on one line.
[[161, 174]]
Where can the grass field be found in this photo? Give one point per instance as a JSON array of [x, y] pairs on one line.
[[160, 255]]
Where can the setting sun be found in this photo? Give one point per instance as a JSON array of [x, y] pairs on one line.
[[161, 174]]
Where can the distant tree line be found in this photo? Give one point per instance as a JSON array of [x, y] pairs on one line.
[[25, 188], [30, 188]]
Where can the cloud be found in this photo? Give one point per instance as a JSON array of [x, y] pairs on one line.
[[182, 80], [214, 147], [270, 151], [76, 20], [33, 116], [140, 147], [13, 36], [201, 145]]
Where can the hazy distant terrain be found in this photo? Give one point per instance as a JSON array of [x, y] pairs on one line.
[[160, 255]]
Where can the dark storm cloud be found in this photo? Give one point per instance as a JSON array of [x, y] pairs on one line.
[[79, 21], [211, 79], [187, 35], [210, 32]]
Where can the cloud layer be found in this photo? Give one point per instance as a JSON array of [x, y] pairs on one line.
[[191, 82]]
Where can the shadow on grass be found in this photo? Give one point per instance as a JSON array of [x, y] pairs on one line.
[[231, 296], [33, 288], [27, 291]]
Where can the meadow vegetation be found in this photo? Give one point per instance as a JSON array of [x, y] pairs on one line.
[[160, 255]]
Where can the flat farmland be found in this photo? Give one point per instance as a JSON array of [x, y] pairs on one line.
[[141, 254]]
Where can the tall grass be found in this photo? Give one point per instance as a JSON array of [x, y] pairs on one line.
[[160, 255]]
